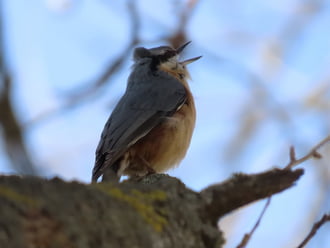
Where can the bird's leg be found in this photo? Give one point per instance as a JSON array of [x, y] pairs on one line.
[[146, 166], [141, 165], [112, 173]]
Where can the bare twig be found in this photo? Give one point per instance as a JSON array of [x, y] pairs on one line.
[[315, 228], [179, 37], [248, 236], [312, 154]]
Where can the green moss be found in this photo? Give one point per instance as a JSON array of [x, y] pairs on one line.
[[16, 197], [157, 195], [141, 202]]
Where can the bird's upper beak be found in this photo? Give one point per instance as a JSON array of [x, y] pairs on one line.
[[188, 61], [180, 49]]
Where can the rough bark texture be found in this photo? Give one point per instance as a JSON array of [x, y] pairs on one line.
[[157, 212]]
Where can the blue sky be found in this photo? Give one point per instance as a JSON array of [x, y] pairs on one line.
[[53, 50]]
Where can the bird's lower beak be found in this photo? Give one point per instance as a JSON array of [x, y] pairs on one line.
[[188, 61]]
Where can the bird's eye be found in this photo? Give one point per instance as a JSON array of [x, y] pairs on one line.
[[169, 53]]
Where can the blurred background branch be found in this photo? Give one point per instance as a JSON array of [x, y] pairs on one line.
[[10, 127], [76, 96]]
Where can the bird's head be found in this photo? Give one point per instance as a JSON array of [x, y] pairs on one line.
[[165, 58]]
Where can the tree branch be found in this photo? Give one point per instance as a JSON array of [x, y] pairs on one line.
[[159, 209], [243, 189]]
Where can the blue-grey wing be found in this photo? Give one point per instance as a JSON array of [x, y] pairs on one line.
[[149, 98]]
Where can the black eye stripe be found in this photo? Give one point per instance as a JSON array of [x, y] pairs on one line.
[[160, 55], [168, 54]]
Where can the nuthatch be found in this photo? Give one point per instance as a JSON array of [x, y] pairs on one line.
[[150, 129]]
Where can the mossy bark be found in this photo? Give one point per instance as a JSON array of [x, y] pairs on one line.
[[157, 212]]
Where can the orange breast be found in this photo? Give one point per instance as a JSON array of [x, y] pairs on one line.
[[165, 145]]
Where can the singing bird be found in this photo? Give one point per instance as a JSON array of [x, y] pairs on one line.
[[150, 129]]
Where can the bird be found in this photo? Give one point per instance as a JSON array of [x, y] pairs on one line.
[[150, 129]]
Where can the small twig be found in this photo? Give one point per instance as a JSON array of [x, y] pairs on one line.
[[312, 154], [315, 228], [180, 36], [248, 236]]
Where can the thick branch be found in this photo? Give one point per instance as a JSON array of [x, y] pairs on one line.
[[156, 212], [243, 189]]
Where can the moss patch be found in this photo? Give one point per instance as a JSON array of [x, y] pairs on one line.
[[142, 202], [16, 197]]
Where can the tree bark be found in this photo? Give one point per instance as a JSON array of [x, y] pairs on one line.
[[157, 212]]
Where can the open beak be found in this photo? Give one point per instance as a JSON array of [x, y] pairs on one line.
[[188, 61]]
